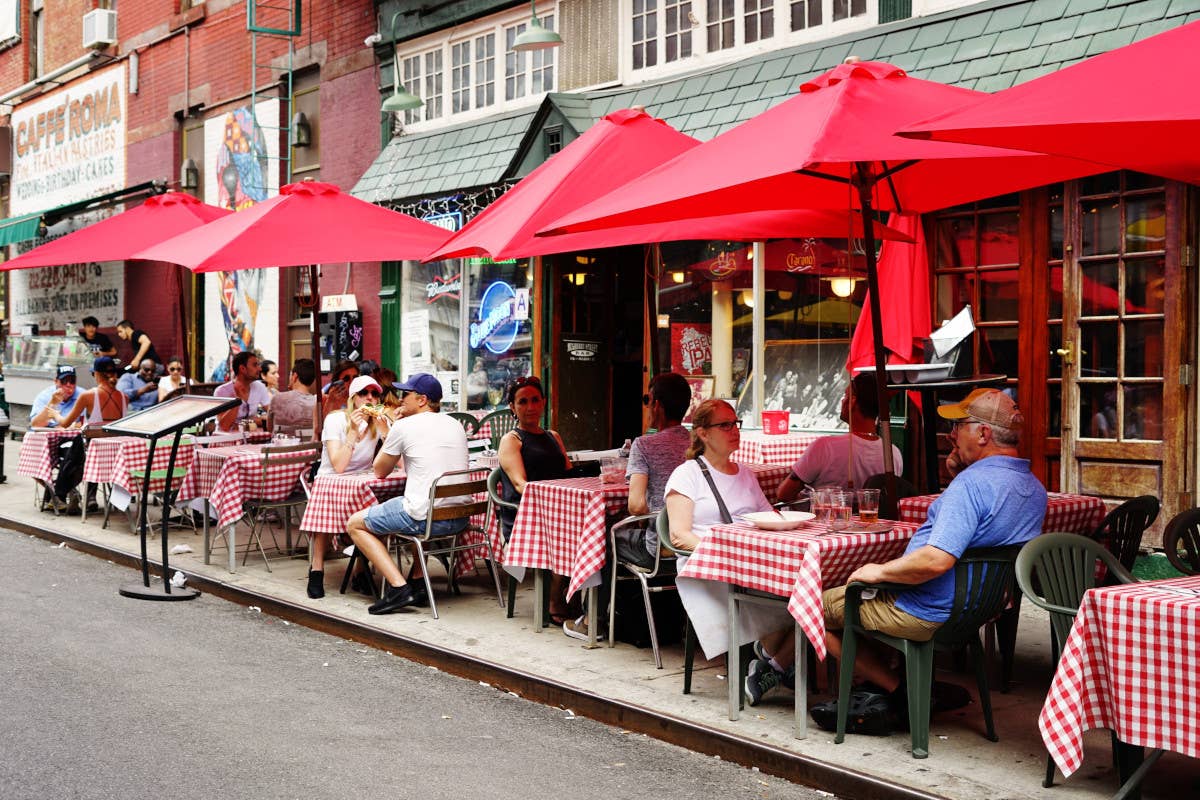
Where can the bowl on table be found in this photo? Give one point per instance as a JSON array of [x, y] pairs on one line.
[[785, 520]]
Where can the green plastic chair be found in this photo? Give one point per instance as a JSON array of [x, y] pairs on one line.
[[501, 422], [983, 586], [1054, 571], [468, 421], [1122, 529], [1181, 541]]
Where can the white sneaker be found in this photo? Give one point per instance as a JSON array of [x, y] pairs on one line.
[[578, 629]]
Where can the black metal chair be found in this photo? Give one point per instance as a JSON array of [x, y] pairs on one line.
[[1181, 541], [1122, 529]]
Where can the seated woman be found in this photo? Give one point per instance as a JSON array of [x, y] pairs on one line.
[[104, 403], [350, 436], [707, 474], [173, 380], [531, 453], [295, 409]]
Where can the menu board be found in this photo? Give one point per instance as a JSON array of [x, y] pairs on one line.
[[171, 415]]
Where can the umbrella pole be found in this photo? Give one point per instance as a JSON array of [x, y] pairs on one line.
[[864, 184], [316, 348]]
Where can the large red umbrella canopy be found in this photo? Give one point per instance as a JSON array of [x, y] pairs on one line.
[[831, 146], [306, 223], [1135, 107], [123, 235], [904, 282], [617, 149]]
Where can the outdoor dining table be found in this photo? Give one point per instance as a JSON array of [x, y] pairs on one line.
[[784, 567], [1131, 664], [1065, 513], [562, 526], [335, 498], [111, 459], [223, 478], [37, 455], [758, 447]]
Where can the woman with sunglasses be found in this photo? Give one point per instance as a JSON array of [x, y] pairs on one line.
[[350, 434], [173, 380], [691, 503], [532, 453]]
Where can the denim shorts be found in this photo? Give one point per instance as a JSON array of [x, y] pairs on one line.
[[390, 517]]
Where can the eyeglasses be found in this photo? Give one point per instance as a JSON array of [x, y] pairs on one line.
[[405, 393], [726, 426], [960, 423], [174, 369], [528, 380], [369, 393]]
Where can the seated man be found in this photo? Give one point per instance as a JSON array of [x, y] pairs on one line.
[[994, 501], [99, 343], [652, 459], [847, 460], [249, 389], [53, 403], [430, 444], [295, 408], [140, 388]]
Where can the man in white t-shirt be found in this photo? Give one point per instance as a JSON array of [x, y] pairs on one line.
[[246, 386], [847, 460], [430, 444]]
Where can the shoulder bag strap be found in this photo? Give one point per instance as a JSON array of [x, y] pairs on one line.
[[725, 516]]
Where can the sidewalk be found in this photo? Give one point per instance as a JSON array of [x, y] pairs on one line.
[[474, 638]]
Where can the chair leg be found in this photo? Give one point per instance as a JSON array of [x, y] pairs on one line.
[[845, 677], [420, 558], [1048, 781], [918, 658], [985, 695], [689, 654], [512, 597], [1006, 639], [354, 559], [649, 621], [612, 612]]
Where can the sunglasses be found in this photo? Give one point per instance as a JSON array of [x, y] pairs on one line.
[[369, 393], [405, 393], [726, 426], [528, 380], [174, 369]]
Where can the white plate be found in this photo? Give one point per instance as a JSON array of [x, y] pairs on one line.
[[770, 521]]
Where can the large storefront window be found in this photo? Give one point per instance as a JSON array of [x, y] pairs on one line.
[[430, 323], [813, 296]]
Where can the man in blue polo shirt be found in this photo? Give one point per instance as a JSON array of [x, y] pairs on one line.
[[995, 500], [55, 402]]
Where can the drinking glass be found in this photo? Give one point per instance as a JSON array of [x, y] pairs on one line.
[[868, 505], [840, 503], [612, 470]]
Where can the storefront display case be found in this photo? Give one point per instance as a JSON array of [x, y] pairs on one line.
[[30, 363]]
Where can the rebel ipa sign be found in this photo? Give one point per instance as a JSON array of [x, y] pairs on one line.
[[68, 146]]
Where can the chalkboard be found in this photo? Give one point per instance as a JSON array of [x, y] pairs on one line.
[[806, 377]]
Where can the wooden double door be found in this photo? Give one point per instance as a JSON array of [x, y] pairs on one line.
[[1084, 297]]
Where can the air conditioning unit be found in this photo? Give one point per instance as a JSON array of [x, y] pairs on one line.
[[99, 28]]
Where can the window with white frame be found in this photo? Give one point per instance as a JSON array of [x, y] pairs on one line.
[[474, 69], [660, 31]]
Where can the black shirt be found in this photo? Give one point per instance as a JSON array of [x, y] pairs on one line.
[[99, 343], [135, 341]]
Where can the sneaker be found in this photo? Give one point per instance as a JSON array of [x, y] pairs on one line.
[[761, 680], [578, 629], [870, 713], [419, 592], [759, 653], [73, 505], [396, 598]]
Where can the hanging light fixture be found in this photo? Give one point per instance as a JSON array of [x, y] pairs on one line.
[[401, 99], [677, 276], [301, 130], [535, 37], [189, 175], [842, 286], [305, 297]]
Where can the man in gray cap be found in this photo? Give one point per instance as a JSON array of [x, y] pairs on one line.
[[430, 444]]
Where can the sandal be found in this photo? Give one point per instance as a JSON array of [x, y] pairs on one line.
[[870, 713]]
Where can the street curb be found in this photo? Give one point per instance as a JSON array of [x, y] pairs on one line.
[[794, 767]]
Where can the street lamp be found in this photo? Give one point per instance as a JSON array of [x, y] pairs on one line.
[[401, 99], [229, 179], [535, 37]]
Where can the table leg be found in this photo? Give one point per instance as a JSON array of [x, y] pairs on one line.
[[733, 668], [231, 540], [207, 549], [801, 656], [83, 506], [539, 600], [592, 613], [1132, 765]]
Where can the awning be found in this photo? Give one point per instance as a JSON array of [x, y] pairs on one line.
[[29, 226]]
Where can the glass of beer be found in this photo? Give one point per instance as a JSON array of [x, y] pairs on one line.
[[840, 505], [868, 505]]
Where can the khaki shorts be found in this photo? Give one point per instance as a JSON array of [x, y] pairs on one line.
[[877, 614]]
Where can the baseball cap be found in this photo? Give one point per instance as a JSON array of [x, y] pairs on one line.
[[64, 372], [363, 382], [423, 383], [104, 364], [990, 406]]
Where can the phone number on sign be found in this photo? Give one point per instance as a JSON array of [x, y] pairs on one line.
[[63, 277]]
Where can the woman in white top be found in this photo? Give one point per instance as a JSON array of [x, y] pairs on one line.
[[691, 505], [104, 403], [173, 380], [351, 434]]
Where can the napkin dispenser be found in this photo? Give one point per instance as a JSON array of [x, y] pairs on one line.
[[947, 343]]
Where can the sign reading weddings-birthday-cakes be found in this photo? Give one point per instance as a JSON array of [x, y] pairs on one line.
[[496, 325]]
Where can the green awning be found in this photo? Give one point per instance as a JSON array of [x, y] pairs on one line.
[[20, 229]]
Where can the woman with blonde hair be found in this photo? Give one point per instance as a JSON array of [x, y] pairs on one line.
[[708, 488]]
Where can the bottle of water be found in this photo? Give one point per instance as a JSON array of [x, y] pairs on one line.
[[625, 448]]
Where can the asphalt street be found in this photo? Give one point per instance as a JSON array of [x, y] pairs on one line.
[[108, 697]]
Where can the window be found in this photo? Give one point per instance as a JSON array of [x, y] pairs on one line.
[[433, 85], [678, 39], [805, 14], [485, 70], [460, 77], [515, 64], [410, 78], [720, 25], [541, 64], [759, 20], [645, 33], [37, 39], [843, 9], [552, 138]]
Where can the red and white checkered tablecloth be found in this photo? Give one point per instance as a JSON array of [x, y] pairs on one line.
[[110, 459], [797, 564], [562, 525], [228, 476], [335, 498], [37, 453], [764, 448], [1065, 513], [1132, 665]]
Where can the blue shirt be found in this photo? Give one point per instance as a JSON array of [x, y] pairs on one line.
[[129, 383], [43, 399], [996, 501]]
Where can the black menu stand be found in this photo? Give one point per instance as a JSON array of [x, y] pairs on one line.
[[156, 422]]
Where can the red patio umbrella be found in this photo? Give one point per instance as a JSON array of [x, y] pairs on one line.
[[904, 281], [121, 236], [618, 148], [831, 146], [1135, 107], [306, 223]]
